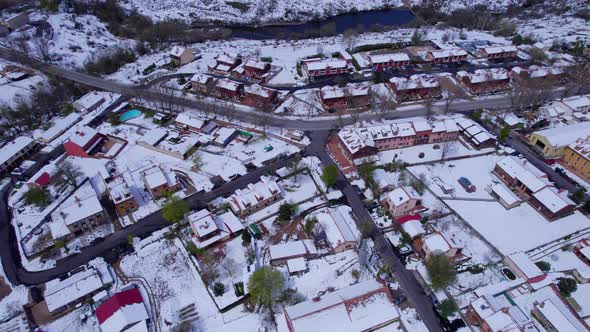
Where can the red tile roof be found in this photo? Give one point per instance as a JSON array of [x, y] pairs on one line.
[[116, 302], [404, 219], [43, 179]]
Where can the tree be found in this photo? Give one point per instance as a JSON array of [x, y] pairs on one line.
[[329, 175], [174, 209], [68, 174], [578, 195], [197, 162], [58, 244], [567, 286], [537, 55], [441, 270], [447, 148], [309, 225], [356, 274], [448, 308], [504, 133], [218, 289], [428, 105], [37, 196], [476, 115], [544, 266], [417, 38], [287, 211], [246, 238], [294, 165], [266, 285]]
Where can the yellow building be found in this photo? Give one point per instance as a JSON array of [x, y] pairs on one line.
[[577, 157], [552, 142]]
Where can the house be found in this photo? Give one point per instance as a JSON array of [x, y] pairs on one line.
[[320, 68], [124, 311], [411, 225], [194, 123], [380, 62], [180, 56], [419, 86], [497, 52], [350, 97], [297, 266], [75, 287], [16, 21], [364, 306], [436, 243], [504, 195], [180, 146], [228, 89], [535, 76], [361, 143], [83, 142], [296, 135], [255, 197], [530, 183], [525, 268], [224, 64], [202, 83], [258, 96], [479, 137], [89, 102], [120, 195], [256, 69], [344, 55], [280, 254], [208, 229], [553, 318], [401, 201], [60, 126], [78, 214], [552, 142], [159, 182], [223, 136], [485, 80], [339, 228], [14, 152], [497, 314], [447, 55]]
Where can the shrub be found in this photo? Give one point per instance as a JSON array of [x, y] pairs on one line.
[[266, 59], [287, 211], [544, 266], [567, 286], [37, 196], [246, 238], [218, 289], [109, 62], [441, 270], [329, 175], [149, 69], [448, 308]]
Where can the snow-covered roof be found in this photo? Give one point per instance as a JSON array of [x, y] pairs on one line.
[[554, 316], [60, 292], [565, 135], [254, 193], [484, 75], [155, 177], [414, 228], [448, 53], [190, 120], [154, 135], [224, 83], [324, 64], [333, 92], [486, 306], [526, 265], [296, 265], [202, 221], [417, 81], [177, 51], [222, 134], [421, 126], [12, 148], [500, 49], [436, 243], [345, 55], [533, 178], [552, 199], [538, 72], [292, 249], [401, 195], [501, 321], [90, 100], [227, 59], [60, 125], [577, 103], [360, 307], [257, 90], [505, 194], [121, 311], [338, 225], [200, 78], [256, 64], [83, 135], [82, 204], [118, 189], [388, 57], [204, 225]]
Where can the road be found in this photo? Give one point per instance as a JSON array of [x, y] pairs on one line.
[[408, 283], [251, 116]]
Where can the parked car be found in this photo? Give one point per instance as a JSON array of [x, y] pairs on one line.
[[405, 250], [467, 185]]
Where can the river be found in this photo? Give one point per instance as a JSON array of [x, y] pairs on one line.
[[329, 26]]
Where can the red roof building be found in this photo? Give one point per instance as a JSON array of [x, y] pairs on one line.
[[122, 311], [43, 180]]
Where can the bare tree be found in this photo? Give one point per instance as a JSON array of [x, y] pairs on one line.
[[382, 104], [68, 174], [448, 101], [428, 105], [349, 38], [447, 148], [42, 45]]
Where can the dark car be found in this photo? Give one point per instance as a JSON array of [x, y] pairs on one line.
[[467, 185]]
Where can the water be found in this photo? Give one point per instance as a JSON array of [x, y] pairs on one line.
[[132, 114], [340, 23]]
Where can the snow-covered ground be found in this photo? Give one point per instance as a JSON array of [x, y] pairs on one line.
[[411, 154], [18, 90]]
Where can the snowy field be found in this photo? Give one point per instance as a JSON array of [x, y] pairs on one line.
[[518, 229], [411, 154], [19, 90]]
